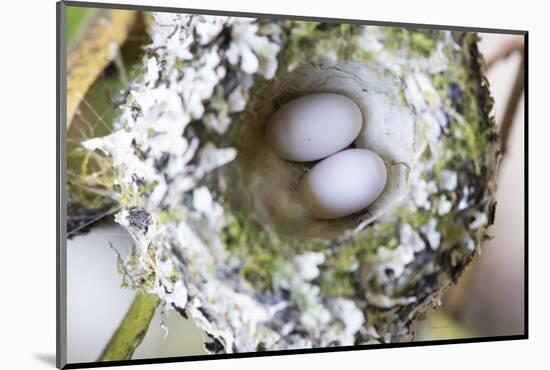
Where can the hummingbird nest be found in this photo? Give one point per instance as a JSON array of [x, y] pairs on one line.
[[216, 233]]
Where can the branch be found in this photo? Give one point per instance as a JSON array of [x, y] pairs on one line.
[[94, 52], [132, 329], [515, 45], [512, 105]]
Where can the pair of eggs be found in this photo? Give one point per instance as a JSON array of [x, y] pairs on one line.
[[319, 126]]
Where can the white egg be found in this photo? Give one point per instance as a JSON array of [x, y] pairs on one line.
[[313, 127], [343, 183]]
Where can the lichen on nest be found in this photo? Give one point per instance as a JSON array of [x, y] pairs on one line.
[[204, 243]]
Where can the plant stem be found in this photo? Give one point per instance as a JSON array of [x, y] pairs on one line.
[[132, 329], [515, 45], [93, 52], [512, 105]]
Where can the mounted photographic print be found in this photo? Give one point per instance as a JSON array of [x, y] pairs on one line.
[[236, 184]]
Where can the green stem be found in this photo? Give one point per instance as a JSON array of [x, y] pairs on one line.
[[132, 329]]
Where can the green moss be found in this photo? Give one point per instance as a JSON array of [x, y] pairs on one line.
[[363, 248], [314, 42], [148, 187], [418, 219], [440, 81], [396, 39], [454, 231], [422, 42], [336, 283], [465, 120], [344, 259], [258, 249], [166, 216]]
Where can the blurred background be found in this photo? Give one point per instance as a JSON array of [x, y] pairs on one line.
[[489, 298], [487, 301]]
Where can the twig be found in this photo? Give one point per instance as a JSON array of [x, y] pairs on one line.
[[132, 329], [92, 54], [515, 45], [511, 106]]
